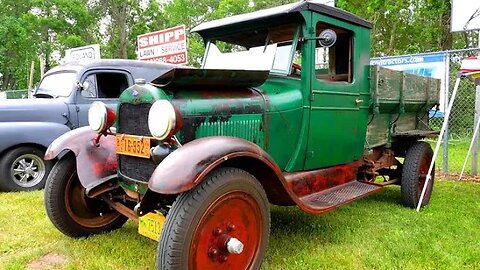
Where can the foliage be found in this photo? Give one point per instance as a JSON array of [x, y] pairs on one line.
[[47, 27], [373, 233]]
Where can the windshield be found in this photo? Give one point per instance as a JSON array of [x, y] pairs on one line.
[[270, 49], [57, 84]]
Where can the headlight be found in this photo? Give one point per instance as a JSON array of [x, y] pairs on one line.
[[100, 117], [161, 119]]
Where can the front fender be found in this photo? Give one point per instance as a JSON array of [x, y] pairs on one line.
[[93, 162], [187, 166]]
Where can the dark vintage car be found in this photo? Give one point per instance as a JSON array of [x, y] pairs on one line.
[[60, 104]]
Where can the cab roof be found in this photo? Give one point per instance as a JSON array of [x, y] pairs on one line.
[[281, 11]]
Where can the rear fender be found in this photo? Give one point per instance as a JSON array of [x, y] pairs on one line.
[[93, 162], [187, 166]]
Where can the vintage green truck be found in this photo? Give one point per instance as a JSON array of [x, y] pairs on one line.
[[285, 110]]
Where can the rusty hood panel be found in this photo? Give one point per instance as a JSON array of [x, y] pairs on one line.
[[178, 78]]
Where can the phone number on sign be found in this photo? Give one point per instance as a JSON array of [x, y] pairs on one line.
[[172, 59]]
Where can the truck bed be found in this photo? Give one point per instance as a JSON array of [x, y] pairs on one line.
[[399, 105]]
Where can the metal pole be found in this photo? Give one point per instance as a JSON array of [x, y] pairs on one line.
[[477, 119], [446, 90], [472, 143], [439, 141]]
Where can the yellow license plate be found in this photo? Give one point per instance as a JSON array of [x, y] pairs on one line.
[[151, 225], [131, 145]]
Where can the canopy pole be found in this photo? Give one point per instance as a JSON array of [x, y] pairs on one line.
[[470, 148], [439, 141]]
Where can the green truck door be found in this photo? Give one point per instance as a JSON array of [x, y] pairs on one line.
[[335, 103]]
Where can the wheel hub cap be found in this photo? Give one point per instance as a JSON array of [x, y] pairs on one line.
[[27, 170]]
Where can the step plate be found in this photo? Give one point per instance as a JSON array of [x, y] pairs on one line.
[[339, 195]]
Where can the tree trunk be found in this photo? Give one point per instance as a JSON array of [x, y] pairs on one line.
[[446, 41]]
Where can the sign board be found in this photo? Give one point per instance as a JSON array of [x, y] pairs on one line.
[[465, 15], [427, 65], [167, 46], [85, 52]]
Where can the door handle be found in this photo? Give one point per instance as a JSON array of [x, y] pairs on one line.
[[358, 101]]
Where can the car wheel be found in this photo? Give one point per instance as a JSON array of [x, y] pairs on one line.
[[223, 223], [70, 210], [23, 169], [414, 174]]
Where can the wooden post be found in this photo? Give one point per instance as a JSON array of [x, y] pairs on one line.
[[30, 79], [42, 65]]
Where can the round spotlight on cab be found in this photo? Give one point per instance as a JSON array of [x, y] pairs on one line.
[[100, 117], [162, 119]]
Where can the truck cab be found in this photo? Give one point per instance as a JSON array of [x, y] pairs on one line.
[[285, 110]]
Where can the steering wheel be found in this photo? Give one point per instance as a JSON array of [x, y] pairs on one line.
[[296, 68]]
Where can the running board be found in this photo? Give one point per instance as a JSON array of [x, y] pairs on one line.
[[332, 198]]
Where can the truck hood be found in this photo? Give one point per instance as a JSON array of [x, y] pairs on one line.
[[34, 110], [178, 78]]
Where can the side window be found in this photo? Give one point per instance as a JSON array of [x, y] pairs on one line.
[[90, 86], [105, 85], [335, 63]]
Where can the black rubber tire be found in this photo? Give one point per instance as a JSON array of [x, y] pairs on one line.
[[186, 211], [57, 188], [7, 183], [416, 163]]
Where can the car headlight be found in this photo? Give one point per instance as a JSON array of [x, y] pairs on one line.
[[100, 117], [162, 119]]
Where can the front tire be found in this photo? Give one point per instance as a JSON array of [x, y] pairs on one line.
[[23, 169], [414, 174], [229, 204], [73, 213]]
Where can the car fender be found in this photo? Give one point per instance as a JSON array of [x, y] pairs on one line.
[[40, 133], [187, 166], [94, 162]]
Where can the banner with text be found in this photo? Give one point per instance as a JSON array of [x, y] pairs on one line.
[[166, 46], [427, 65]]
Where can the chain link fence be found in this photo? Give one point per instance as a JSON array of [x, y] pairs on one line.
[[14, 94], [461, 123]]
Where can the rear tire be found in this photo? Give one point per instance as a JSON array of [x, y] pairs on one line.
[[24, 169], [415, 169], [73, 213], [229, 203]]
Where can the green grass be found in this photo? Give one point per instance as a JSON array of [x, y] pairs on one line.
[[457, 151], [375, 232]]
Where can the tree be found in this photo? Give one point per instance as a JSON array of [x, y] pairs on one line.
[[16, 50], [59, 24]]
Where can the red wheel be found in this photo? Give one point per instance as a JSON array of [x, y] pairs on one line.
[[221, 224], [414, 174]]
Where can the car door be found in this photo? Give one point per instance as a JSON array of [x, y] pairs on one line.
[[104, 85], [335, 102]]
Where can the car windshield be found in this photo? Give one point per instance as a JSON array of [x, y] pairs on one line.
[[270, 49], [57, 84]]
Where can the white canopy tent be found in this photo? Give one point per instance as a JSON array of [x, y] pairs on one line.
[[470, 68]]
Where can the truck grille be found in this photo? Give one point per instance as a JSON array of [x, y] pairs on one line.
[[133, 120], [139, 169]]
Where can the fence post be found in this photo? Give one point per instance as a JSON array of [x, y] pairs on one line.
[[445, 137], [475, 139]]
